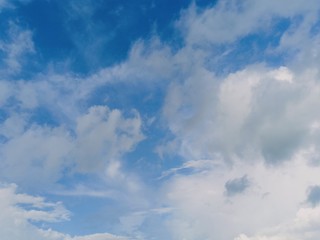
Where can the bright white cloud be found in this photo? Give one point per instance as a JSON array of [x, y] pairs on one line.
[[303, 226], [253, 112], [250, 117], [274, 202], [102, 136], [15, 218]]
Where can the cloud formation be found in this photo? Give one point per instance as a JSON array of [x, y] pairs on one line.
[[42, 151], [19, 211], [235, 125], [237, 185]]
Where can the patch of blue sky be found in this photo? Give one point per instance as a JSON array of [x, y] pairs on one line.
[[5, 18], [258, 47], [3, 115], [63, 35], [128, 96], [70, 179], [315, 29], [95, 207], [147, 162], [43, 116], [3, 139], [89, 215], [156, 225], [45, 20]]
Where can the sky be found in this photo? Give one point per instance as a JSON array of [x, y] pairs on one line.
[[158, 119]]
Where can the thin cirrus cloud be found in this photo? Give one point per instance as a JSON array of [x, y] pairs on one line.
[[231, 141]]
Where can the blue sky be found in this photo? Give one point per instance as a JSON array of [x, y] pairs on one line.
[[143, 120]]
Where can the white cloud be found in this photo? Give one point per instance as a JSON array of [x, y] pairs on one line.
[[15, 219], [98, 236], [225, 22], [260, 122], [303, 226], [254, 114], [274, 202], [102, 137], [19, 211], [37, 153], [251, 113], [19, 44]]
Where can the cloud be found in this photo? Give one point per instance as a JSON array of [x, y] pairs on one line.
[[47, 132], [237, 185], [19, 212], [18, 45], [260, 120], [102, 136], [15, 218], [252, 113], [37, 152], [256, 121], [84, 191], [201, 209], [302, 226], [226, 22], [103, 236]]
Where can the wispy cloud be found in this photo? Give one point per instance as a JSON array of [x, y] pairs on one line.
[[18, 45]]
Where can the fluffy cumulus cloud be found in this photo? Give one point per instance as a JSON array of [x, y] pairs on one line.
[[258, 125], [102, 136], [253, 113], [14, 220], [46, 134]]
